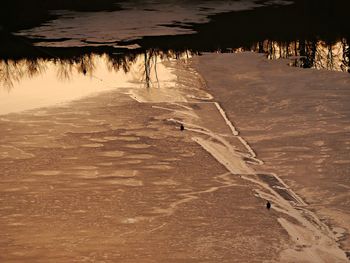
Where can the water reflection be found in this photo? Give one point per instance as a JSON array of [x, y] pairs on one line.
[[55, 79], [29, 83], [316, 54], [135, 20], [13, 71]]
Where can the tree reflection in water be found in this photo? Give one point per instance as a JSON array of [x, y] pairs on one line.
[[316, 54], [13, 71]]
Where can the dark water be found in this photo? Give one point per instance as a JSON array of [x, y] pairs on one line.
[[317, 32]]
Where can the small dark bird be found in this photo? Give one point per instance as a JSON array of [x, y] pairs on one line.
[[182, 127], [268, 205]]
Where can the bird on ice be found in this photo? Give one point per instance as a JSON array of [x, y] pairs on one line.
[[268, 205]]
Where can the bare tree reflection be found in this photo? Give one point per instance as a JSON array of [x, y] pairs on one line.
[[147, 69], [301, 53], [308, 53], [147, 72], [64, 69], [346, 56], [86, 64], [155, 70], [121, 61], [13, 71]]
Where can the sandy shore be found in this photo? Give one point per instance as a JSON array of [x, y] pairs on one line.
[[111, 178]]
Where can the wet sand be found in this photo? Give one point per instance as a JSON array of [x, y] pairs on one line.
[[297, 121], [111, 178]]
